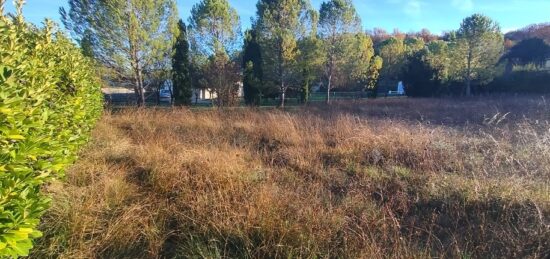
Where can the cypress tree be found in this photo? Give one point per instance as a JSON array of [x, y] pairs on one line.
[[252, 67], [181, 79]]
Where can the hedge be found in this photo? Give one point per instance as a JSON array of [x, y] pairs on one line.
[[523, 81], [50, 99]]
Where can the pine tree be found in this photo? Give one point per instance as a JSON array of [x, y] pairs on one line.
[[215, 30], [132, 38], [338, 24], [280, 25], [181, 78], [477, 50]]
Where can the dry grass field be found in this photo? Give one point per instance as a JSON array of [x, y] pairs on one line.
[[395, 178]]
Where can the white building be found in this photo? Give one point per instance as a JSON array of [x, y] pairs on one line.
[[205, 94]]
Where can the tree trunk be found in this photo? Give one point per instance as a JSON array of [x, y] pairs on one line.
[[212, 98], [468, 86], [329, 85], [469, 74], [136, 92], [283, 92], [138, 89], [331, 61], [158, 94], [197, 96], [281, 71]]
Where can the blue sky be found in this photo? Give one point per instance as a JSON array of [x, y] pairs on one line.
[[407, 15]]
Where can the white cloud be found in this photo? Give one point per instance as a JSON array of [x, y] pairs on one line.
[[463, 5], [412, 8]]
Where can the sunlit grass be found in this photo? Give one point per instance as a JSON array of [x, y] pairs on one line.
[[388, 178]]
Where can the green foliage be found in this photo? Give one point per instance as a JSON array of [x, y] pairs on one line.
[[420, 78], [522, 81], [338, 17], [280, 25], [438, 57], [476, 50], [311, 61], [215, 29], [181, 76], [530, 51], [413, 45], [132, 38], [364, 67], [251, 85], [338, 25], [374, 73], [393, 53], [253, 72], [350, 60], [49, 101]]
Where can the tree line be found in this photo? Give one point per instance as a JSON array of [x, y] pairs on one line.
[[475, 58], [289, 48]]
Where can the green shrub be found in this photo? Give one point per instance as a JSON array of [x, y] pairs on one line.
[[522, 81], [50, 99]]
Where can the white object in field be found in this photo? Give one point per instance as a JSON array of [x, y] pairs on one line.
[[400, 88]]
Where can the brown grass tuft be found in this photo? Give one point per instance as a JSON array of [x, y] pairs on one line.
[[399, 178]]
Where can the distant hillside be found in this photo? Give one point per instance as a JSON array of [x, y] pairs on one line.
[[541, 30]]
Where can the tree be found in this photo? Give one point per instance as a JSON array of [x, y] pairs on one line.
[[478, 47], [378, 35], [530, 51], [541, 31], [426, 35], [438, 57], [413, 45], [280, 24], [374, 73], [158, 76], [221, 74], [364, 67], [126, 36], [215, 28], [338, 24], [311, 58], [420, 78], [181, 76], [392, 52], [252, 69]]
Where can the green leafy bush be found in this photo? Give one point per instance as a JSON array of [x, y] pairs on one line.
[[50, 99], [522, 81]]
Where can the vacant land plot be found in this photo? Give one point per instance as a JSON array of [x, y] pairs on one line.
[[403, 178]]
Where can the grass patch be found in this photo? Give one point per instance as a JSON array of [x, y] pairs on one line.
[[383, 179]]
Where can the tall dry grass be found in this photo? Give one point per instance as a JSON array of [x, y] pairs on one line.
[[382, 179]]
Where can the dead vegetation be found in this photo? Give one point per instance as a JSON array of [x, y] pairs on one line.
[[383, 179]]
